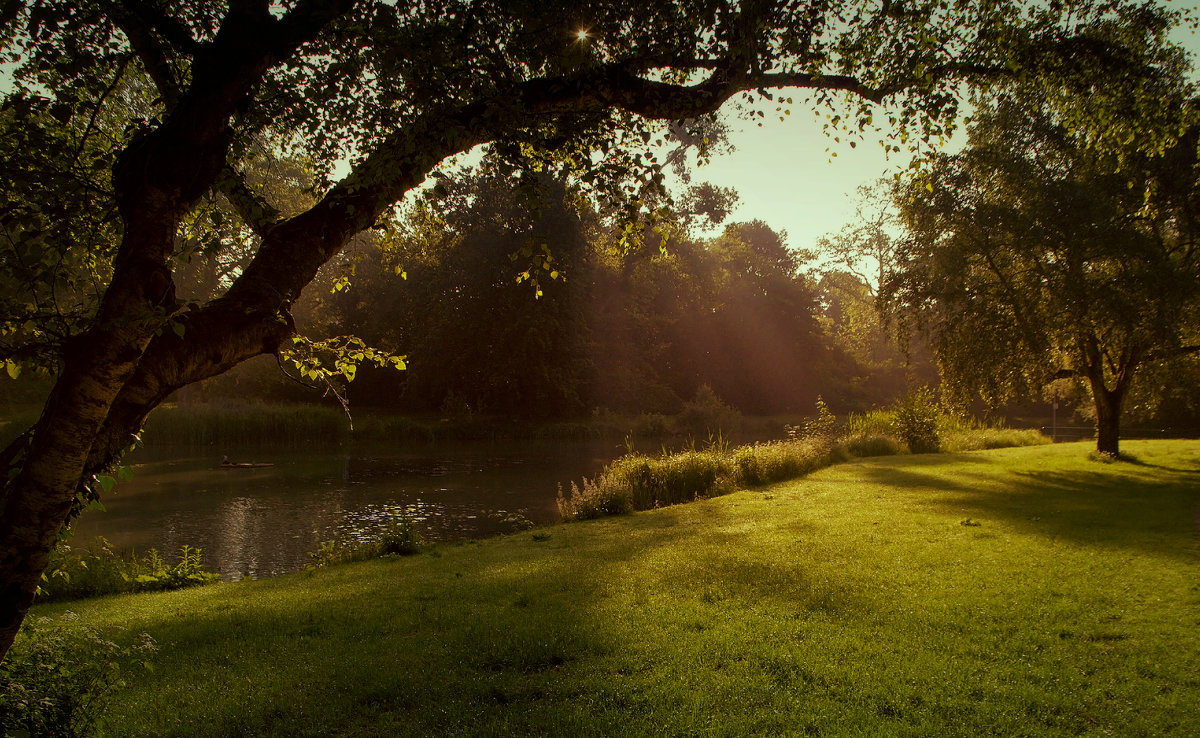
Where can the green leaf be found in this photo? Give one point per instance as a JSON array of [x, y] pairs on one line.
[[13, 368]]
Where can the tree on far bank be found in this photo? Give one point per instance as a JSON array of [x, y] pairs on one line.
[[390, 90], [1031, 257]]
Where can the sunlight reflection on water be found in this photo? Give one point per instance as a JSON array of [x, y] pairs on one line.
[[259, 522]]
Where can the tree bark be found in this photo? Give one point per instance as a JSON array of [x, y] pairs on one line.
[[1108, 422], [155, 180], [1108, 401]]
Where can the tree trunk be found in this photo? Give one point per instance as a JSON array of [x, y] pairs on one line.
[[1108, 424], [155, 179], [43, 472]]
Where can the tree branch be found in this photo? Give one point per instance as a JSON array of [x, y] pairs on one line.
[[1173, 353], [172, 29], [255, 211], [151, 53]]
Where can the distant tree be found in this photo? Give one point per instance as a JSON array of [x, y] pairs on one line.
[[855, 261], [390, 90], [474, 327], [871, 367], [1032, 256], [753, 335], [866, 246]]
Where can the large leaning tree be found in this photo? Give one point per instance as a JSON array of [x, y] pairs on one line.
[[123, 118], [1032, 257]]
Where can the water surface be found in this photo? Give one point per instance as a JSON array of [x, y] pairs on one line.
[[257, 522]]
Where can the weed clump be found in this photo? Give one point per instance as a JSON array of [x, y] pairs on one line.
[[100, 571], [398, 538], [57, 677]]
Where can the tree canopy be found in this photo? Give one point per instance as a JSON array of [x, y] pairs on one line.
[[148, 109], [1032, 257]]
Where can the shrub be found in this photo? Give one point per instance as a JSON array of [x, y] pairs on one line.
[[822, 429], [102, 571], [398, 538], [706, 415], [916, 417], [56, 678]]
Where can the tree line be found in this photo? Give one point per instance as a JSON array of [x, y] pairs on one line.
[[730, 306]]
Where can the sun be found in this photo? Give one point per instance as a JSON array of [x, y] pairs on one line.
[[582, 35]]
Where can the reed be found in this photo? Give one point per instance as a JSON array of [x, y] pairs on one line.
[[639, 481], [250, 424]]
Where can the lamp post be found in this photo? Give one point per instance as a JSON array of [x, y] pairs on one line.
[[1054, 418]]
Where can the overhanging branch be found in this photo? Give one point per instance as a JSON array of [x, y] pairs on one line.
[[255, 211]]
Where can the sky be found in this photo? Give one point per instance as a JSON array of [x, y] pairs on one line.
[[786, 178]]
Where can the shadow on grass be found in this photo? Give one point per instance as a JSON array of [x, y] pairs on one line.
[[469, 635], [1143, 506]]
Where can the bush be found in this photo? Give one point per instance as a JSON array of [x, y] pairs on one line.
[[101, 571], [398, 538], [822, 429], [707, 415], [916, 417], [56, 678]]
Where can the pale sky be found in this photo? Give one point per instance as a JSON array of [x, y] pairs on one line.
[[786, 179]]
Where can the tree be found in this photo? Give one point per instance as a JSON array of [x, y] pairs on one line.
[[752, 336], [475, 331], [1032, 256], [866, 246], [391, 89]]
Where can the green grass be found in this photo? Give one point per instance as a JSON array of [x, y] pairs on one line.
[[1024, 591]]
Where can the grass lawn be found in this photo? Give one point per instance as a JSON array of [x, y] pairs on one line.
[[1025, 591]]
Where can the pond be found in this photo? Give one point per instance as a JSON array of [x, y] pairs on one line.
[[265, 520]]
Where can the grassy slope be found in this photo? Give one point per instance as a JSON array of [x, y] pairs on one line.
[[855, 601]]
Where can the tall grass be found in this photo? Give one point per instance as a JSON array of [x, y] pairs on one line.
[[254, 423], [250, 424], [639, 481]]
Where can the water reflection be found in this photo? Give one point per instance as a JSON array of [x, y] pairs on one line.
[[258, 522]]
